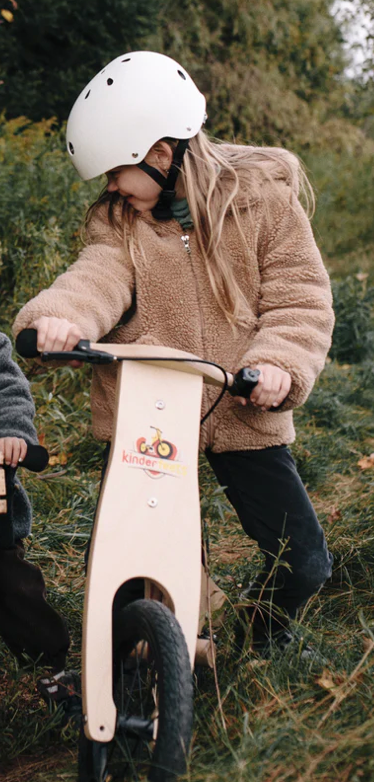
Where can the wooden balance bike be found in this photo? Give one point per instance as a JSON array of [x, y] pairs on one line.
[[138, 654]]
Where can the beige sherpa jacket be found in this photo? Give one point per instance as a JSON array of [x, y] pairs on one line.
[[282, 278]]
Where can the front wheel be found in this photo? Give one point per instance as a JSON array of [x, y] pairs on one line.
[[164, 449], [152, 691]]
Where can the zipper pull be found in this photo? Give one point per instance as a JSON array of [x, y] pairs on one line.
[[186, 241]]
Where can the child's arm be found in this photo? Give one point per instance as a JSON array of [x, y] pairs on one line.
[[295, 316], [91, 295]]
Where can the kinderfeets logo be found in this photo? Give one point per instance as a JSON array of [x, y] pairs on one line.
[[157, 457]]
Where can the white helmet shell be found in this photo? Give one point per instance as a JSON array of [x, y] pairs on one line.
[[136, 100]]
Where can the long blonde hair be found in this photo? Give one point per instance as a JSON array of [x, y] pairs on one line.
[[218, 179]]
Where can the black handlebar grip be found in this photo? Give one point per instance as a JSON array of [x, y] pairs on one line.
[[26, 346], [244, 382], [26, 343], [36, 458]]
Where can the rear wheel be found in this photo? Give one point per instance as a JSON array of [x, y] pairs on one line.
[[152, 690]]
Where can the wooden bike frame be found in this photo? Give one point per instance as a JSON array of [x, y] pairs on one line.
[[148, 519]]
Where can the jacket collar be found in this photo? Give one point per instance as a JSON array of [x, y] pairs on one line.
[[161, 227]]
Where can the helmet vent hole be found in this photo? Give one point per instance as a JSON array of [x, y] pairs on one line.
[[109, 82], [182, 75], [103, 71], [86, 96], [135, 154], [127, 59], [188, 128], [71, 148]]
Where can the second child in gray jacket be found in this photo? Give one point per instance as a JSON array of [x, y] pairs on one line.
[[28, 624]]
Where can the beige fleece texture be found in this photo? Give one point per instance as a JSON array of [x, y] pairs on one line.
[[282, 278]]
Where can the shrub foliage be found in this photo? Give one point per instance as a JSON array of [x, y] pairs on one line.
[[272, 70]]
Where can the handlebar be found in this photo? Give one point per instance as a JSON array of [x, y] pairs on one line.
[[244, 382], [36, 459], [26, 346], [240, 384]]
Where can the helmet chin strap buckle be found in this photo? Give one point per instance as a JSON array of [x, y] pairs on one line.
[[162, 210]]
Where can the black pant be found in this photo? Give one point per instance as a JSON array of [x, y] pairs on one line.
[[272, 504], [27, 622]]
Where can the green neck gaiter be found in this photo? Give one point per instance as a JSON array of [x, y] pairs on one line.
[[181, 212]]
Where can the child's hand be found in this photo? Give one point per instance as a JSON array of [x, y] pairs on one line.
[[272, 388], [57, 334], [14, 450]]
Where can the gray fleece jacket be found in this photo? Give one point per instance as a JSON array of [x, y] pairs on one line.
[[16, 420]]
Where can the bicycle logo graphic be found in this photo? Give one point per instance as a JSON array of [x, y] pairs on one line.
[[157, 457]]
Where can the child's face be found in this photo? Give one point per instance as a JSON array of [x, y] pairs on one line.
[[139, 189], [135, 186]]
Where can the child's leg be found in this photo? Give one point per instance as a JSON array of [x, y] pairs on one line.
[[272, 504], [27, 622]]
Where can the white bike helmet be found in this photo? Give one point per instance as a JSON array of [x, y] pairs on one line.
[[136, 100]]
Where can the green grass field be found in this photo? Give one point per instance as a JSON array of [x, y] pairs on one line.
[[282, 719]]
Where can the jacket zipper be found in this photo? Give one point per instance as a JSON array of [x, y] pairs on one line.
[[185, 238], [186, 242]]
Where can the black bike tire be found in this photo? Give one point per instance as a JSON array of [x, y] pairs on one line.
[[152, 621], [165, 442]]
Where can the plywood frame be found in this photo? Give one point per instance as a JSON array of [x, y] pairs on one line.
[[148, 520]]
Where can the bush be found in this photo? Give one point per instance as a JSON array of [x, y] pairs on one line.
[[344, 184], [42, 204], [49, 52], [353, 338]]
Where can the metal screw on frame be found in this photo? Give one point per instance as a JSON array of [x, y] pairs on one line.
[[160, 404], [152, 502]]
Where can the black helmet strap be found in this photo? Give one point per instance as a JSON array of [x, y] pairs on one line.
[[162, 210], [153, 172]]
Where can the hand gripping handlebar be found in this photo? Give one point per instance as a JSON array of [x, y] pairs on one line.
[[26, 344]]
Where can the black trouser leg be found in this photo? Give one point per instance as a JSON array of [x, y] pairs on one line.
[[272, 504], [27, 622]]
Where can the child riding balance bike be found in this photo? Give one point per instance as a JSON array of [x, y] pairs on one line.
[[205, 248]]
